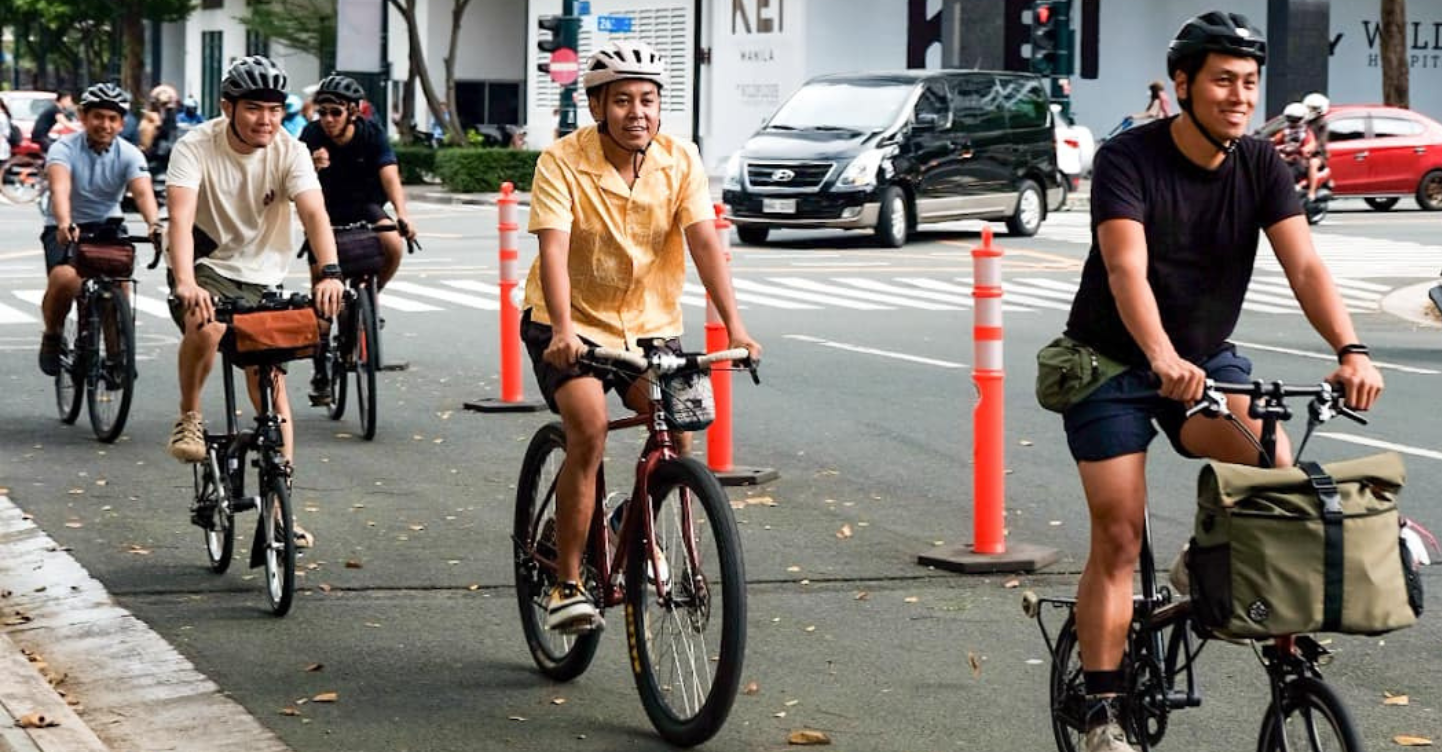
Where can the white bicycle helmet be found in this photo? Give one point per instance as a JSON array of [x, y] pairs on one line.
[[255, 78], [1295, 112], [623, 60], [106, 96], [1316, 103]]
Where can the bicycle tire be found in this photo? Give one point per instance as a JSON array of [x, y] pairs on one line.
[[1068, 692], [367, 361], [278, 537], [210, 490], [1305, 700], [111, 383], [688, 691], [336, 350], [69, 383], [559, 656], [22, 178]]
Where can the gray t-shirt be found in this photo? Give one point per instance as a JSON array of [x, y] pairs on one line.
[[97, 179]]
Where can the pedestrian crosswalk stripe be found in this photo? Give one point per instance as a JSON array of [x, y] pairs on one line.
[[915, 292], [151, 306], [875, 297], [776, 290], [936, 284], [1025, 298], [748, 297], [10, 315], [407, 305], [1363, 286], [469, 301], [33, 297]]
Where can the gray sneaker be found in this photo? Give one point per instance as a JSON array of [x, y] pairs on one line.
[[187, 439], [1108, 738]]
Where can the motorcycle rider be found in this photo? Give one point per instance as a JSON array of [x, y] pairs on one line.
[[1298, 146]]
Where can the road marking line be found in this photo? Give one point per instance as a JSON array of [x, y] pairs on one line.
[[874, 351], [152, 306], [748, 285], [33, 297], [469, 301], [1378, 443], [879, 286], [746, 297], [10, 315], [905, 302], [1330, 357], [933, 284], [405, 304]]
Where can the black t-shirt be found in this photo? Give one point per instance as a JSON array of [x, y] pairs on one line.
[[1202, 228], [40, 132], [353, 177]]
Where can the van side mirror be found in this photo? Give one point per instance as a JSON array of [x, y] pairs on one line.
[[926, 122]]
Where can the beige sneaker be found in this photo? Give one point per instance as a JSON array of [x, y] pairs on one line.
[[187, 439], [1108, 738]]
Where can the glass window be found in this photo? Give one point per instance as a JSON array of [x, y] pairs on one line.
[[976, 103], [862, 106], [933, 102], [1346, 129], [1026, 102], [1389, 127]]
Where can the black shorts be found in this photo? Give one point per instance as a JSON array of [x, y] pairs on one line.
[[56, 254], [549, 378], [368, 213]]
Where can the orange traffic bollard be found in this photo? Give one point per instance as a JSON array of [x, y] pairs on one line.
[[989, 551], [718, 436], [512, 387]]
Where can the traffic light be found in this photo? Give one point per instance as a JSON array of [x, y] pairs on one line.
[[1051, 37], [560, 36]]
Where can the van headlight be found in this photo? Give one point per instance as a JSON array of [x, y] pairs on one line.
[[861, 173], [733, 173]]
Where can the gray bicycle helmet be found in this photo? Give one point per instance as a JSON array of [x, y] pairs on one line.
[[1227, 33], [622, 60], [255, 78], [106, 96], [339, 89]]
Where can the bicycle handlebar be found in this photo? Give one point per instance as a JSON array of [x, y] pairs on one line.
[[227, 308], [1327, 400], [91, 235], [412, 245], [665, 362]]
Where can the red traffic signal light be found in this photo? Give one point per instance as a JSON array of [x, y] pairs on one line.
[[1043, 14]]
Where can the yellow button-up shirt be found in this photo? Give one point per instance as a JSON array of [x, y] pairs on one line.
[[627, 257]]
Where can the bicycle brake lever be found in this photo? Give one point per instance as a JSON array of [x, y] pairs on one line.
[[1351, 414], [752, 366]]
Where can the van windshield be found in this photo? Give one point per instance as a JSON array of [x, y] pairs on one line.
[[842, 105]]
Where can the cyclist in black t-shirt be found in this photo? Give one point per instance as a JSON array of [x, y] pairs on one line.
[[58, 113], [1177, 209]]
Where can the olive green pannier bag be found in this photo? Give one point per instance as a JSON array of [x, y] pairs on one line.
[[1067, 371], [1310, 548]]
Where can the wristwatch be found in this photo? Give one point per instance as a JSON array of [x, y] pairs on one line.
[[331, 271], [1356, 348]]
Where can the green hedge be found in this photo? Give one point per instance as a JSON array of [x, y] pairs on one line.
[[483, 170], [417, 163]]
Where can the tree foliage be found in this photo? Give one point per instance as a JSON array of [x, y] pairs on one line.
[[69, 43], [307, 26]]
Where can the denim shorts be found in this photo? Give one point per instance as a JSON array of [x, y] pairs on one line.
[[1117, 418]]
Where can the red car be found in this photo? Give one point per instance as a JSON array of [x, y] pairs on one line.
[[1382, 154]]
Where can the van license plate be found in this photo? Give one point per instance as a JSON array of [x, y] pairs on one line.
[[778, 205]]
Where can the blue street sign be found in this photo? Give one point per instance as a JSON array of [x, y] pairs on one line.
[[613, 24], [583, 8]]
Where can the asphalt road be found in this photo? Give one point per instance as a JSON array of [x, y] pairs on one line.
[[864, 409]]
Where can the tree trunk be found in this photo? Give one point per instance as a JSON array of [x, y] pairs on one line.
[[1394, 53], [407, 9], [132, 25], [407, 125], [454, 132]]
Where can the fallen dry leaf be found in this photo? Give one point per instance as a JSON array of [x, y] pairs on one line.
[[315, 667], [844, 532], [807, 737], [353, 564], [911, 599], [418, 527], [1011, 583], [324, 587], [326, 697], [519, 718], [1025, 442], [558, 701], [292, 711], [74, 524], [738, 504], [17, 620], [791, 703], [793, 568], [473, 588], [1403, 740], [76, 491], [863, 596], [36, 720], [138, 550], [1392, 699], [975, 662], [751, 688]]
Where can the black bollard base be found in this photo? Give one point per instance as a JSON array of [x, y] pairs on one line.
[[493, 405], [1018, 557]]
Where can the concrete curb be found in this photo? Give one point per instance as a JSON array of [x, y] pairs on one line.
[[23, 691], [1412, 304]]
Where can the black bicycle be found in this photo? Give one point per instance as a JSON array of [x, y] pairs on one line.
[[1165, 637], [97, 352], [353, 343], [220, 479]]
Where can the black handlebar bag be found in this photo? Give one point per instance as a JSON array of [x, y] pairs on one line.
[[358, 250], [1311, 548]]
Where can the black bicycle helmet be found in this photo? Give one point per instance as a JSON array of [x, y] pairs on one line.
[[339, 89], [255, 78], [106, 96], [1217, 31]]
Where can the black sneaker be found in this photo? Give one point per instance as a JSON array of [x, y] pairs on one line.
[[319, 391], [51, 348]]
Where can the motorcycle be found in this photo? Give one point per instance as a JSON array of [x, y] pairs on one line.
[[1316, 208]]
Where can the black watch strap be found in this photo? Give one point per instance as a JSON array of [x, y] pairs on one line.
[[331, 271], [1355, 348]]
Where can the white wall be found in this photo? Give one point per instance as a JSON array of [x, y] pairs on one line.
[[1355, 72]]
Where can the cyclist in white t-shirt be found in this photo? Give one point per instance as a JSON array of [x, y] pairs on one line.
[[229, 189]]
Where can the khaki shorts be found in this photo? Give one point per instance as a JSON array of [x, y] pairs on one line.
[[217, 285]]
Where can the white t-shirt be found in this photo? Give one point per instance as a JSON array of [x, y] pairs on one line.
[[243, 200]]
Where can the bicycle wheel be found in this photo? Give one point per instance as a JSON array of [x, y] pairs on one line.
[[69, 383], [1068, 690], [278, 537], [367, 361], [110, 388], [688, 647], [22, 178], [217, 523], [1312, 719], [336, 351], [559, 656]]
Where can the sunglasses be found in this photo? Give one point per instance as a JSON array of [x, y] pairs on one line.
[[334, 112]]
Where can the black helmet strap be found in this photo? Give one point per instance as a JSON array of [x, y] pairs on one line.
[[1224, 147]]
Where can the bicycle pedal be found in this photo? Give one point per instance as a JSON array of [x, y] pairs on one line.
[[244, 503]]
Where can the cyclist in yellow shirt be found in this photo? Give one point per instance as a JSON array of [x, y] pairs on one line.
[[614, 205]]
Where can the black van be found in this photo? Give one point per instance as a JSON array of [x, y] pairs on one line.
[[890, 151]]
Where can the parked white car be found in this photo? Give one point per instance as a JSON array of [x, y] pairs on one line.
[[1075, 148]]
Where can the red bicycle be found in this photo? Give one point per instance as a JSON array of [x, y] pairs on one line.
[[684, 581]]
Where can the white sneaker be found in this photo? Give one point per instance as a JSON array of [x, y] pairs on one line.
[[570, 610], [1108, 738]]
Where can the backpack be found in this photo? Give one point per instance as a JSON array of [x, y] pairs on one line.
[[15, 136]]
